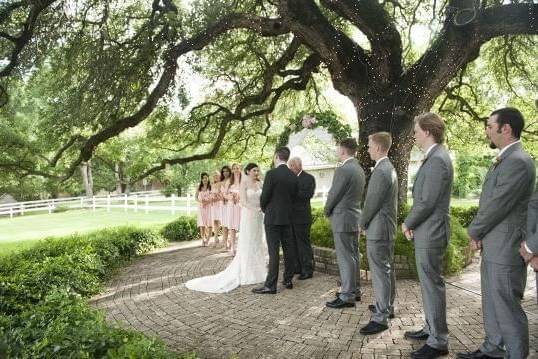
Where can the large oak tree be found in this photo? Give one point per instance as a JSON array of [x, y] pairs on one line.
[[117, 64]]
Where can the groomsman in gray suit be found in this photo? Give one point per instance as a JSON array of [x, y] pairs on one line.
[[378, 219], [428, 225], [498, 230], [343, 209]]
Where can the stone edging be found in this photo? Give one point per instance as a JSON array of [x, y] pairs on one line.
[[325, 262]]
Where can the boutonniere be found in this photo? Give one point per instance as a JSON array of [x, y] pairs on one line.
[[496, 160], [372, 169]]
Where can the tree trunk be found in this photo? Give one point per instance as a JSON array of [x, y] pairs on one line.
[[393, 113], [90, 178], [85, 179], [118, 174]]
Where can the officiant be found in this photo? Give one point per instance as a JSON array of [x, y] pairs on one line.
[[302, 219]]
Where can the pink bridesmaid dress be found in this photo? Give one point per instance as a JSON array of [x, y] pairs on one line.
[[225, 217], [234, 208], [204, 209], [216, 206]]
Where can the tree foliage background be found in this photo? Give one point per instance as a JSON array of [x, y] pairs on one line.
[[112, 82]]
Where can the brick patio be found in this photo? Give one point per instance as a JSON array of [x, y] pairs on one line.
[[150, 296]]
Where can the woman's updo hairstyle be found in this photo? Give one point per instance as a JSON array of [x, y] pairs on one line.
[[249, 167]]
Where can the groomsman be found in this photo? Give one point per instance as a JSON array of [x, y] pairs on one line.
[[343, 209], [302, 219], [379, 220], [428, 225], [498, 230]]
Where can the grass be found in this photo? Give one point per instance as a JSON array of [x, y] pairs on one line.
[[22, 232]]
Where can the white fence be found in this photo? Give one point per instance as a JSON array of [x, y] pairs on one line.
[[138, 201]]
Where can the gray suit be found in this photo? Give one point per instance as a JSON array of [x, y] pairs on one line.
[[379, 219], [430, 222], [343, 209], [500, 224]]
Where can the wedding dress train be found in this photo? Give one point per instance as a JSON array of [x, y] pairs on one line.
[[249, 264]]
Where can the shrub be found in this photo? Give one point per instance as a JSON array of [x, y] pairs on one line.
[[455, 258], [321, 234], [464, 214], [43, 311], [185, 228]]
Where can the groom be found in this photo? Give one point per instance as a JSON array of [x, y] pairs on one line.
[[279, 188]]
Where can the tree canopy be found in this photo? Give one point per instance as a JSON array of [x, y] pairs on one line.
[[75, 75]]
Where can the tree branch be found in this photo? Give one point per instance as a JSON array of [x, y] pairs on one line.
[[457, 46], [263, 26], [198, 157], [374, 21], [347, 62], [296, 83], [511, 19]]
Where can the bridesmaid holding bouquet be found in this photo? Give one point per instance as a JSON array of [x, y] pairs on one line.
[[225, 174], [234, 206], [216, 206], [203, 193]]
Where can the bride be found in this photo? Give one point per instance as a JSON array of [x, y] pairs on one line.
[[249, 264]]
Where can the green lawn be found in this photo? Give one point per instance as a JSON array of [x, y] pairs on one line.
[[22, 232]]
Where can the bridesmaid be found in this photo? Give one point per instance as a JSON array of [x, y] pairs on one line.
[[234, 206], [203, 193], [225, 174], [216, 206]]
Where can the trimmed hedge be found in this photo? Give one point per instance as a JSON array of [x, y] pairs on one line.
[[185, 228], [44, 312], [457, 250], [464, 214]]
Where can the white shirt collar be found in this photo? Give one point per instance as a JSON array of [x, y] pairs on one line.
[[430, 149], [298, 174], [507, 147], [379, 160], [347, 159]]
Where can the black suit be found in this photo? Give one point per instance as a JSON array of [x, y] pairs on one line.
[[276, 201], [301, 222]]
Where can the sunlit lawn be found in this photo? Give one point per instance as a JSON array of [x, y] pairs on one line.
[[23, 231]]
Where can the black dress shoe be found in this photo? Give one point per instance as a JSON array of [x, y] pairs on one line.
[[339, 303], [288, 285], [477, 354], [427, 352], [373, 309], [357, 296], [305, 276], [264, 290], [417, 335], [373, 328]]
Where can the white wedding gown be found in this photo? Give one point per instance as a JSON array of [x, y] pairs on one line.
[[249, 264]]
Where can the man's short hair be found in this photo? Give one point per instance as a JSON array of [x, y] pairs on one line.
[[432, 123], [512, 117], [297, 161], [283, 153], [383, 139], [350, 145]]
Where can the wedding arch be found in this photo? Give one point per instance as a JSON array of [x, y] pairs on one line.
[[325, 126]]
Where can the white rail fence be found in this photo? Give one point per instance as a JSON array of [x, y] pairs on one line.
[[138, 201]]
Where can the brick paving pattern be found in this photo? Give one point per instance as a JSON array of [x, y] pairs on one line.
[[150, 296]]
